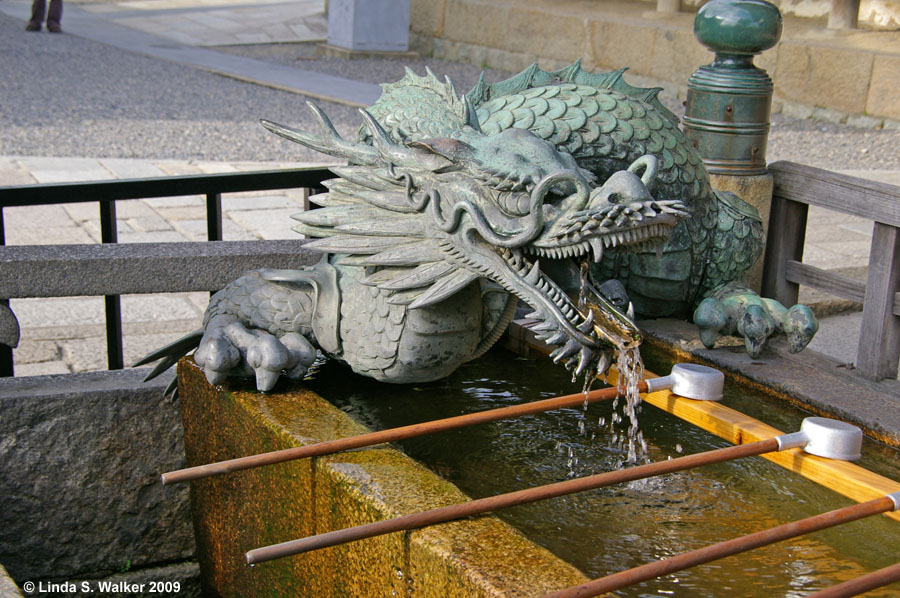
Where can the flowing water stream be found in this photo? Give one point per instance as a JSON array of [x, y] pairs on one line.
[[611, 529]]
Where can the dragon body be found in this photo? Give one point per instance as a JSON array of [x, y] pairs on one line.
[[452, 208]]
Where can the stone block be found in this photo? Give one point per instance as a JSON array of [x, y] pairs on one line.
[[828, 115], [474, 558], [615, 44], [823, 76], [426, 17], [377, 25], [80, 471], [474, 22], [546, 34], [862, 121], [677, 54], [883, 98]]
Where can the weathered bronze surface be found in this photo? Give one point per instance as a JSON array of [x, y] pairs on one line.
[[729, 101], [453, 208]]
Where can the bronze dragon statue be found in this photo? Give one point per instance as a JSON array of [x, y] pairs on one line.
[[453, 208]]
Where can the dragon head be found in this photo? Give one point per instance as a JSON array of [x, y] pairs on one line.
[[453, 209]]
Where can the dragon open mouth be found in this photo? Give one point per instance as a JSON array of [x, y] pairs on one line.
[[621, 214]]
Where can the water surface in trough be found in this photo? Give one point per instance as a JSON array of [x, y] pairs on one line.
[[611, 529]]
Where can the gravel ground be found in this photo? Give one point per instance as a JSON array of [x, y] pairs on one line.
[[68, 96]]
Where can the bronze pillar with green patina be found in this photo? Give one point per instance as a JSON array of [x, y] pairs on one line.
[[729, 101]]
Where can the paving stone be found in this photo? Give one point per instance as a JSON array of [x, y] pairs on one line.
[[31, 351], [131, 169], [65, 170], [92, 227], [175, 202], [57, 311], [132, 208], [162, 236], [44, 368], [196, 230], [65, 235], [150, 308], [37, 217], [268, 224], [154, 223], [258, 202], [174, 214], [13, 173], [180, 168]]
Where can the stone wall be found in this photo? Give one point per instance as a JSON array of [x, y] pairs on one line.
[[851, 74], [80, 459]]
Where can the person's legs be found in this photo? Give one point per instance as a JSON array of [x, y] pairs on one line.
[[54, 16], [37, 15]]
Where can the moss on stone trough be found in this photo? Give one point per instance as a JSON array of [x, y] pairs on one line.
[[479, 557]]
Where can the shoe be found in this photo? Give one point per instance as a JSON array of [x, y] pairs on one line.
[[54, 29], [32, 27]]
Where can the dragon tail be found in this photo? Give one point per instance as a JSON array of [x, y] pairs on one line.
[[169, 356]]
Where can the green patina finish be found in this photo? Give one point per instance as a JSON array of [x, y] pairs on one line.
[[452, 209], [738, 26], [729, 101], [482, 557]]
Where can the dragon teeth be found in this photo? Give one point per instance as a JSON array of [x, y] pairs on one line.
[[597, 247], [534, 274]]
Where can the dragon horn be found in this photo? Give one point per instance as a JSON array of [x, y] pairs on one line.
[[331, 144], [381, 137], [324, 122]]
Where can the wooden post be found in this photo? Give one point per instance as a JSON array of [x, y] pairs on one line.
[[844, 14], [787, 232], [879, 339]]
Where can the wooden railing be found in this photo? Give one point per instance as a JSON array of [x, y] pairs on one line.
[[796, 188]]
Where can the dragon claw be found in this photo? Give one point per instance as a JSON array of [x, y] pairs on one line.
[[735, 310]]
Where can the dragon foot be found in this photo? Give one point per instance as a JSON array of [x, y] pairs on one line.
[[736, 310], [228, 347]]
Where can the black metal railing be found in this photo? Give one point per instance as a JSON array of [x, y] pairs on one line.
[[106, 193]]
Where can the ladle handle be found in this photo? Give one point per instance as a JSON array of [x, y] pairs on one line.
[[861, 584], [390, 435], [510, 499], [721, 550]]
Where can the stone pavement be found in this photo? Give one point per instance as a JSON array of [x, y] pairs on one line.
[[182, 30]]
